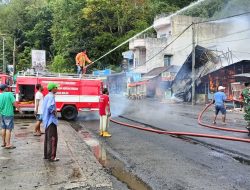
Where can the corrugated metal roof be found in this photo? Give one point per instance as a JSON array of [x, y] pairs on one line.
[[157, 71], [243, 75]]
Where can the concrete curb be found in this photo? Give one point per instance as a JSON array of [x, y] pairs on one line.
[[24, 168], [92, 170]]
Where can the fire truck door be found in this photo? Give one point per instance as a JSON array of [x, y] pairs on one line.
[[89, 97]]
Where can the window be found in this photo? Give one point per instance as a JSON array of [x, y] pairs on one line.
[[163, 36], [142, 56], [167, 60]]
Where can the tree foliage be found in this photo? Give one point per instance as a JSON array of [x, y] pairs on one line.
[[64, 27]]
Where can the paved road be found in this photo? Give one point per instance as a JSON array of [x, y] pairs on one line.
[[179, 117], [166, 162]]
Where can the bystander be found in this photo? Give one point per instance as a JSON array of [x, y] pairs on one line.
[[7, 101], [50, 122], [219, 101], [38, 109]]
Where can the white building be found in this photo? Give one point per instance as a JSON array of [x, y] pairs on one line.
[[228, 38]]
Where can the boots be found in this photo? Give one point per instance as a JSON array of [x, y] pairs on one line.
[[106, 134]]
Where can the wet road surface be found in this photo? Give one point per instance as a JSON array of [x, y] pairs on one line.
[[136, 159], [165, 162]]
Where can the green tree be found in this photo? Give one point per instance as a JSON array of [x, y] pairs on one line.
[[28, 22], [60, 65], [67, 29], [64, 27]]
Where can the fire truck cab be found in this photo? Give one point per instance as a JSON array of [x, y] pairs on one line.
[[6, 79], [74, 93]]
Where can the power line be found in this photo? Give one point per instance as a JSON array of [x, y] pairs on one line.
[[224, 35], [168, 44], [183, 48], [190, 26], [229, 41], [241, 52], [211, 20], [232, 16], [138, 34], [245, 13]]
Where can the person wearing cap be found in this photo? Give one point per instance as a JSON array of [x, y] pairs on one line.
[[50, 122], [104, 112], [81, 59], [7, 101], [219, 102], [246, 100]]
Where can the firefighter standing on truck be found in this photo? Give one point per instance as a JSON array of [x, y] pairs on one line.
[[81, 59], [104, 112]]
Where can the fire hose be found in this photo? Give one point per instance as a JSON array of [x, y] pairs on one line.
[[189, 133]]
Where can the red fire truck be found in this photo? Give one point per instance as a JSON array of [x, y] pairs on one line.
[[74, 93]]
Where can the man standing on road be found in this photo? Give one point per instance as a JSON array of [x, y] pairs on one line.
[[104, 112], [38, 109], [246, 99], [50, 123], [81, 59], [7, 101], [219, 101]]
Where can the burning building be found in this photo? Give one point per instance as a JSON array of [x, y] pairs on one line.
[[228, 76], [210, 73]]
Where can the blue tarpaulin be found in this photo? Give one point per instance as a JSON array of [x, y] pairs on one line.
[[135, 77], [105, 72]]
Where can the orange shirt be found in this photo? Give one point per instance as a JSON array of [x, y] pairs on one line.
[[81, 58]]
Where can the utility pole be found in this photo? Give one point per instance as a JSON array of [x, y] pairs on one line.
[[14, 56], [193, 65], [3, 56]]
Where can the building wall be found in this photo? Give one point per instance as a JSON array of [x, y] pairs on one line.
[[228, 35], [222, 36], [153, 46], [162, 24]]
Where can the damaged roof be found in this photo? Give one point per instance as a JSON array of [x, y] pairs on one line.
[[202, 56], [157, 71], [247, 75]]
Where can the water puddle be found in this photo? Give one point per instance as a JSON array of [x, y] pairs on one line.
[[4, 158], [216, 154], [26, 124], [21, 135], [115, 166], [23, 128]]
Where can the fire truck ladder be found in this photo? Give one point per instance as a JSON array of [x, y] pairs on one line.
[[59, 75]]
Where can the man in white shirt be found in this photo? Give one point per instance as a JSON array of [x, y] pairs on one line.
[[38, 109]]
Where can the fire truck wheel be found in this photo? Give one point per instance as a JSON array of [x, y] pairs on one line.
[[69, 112]]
